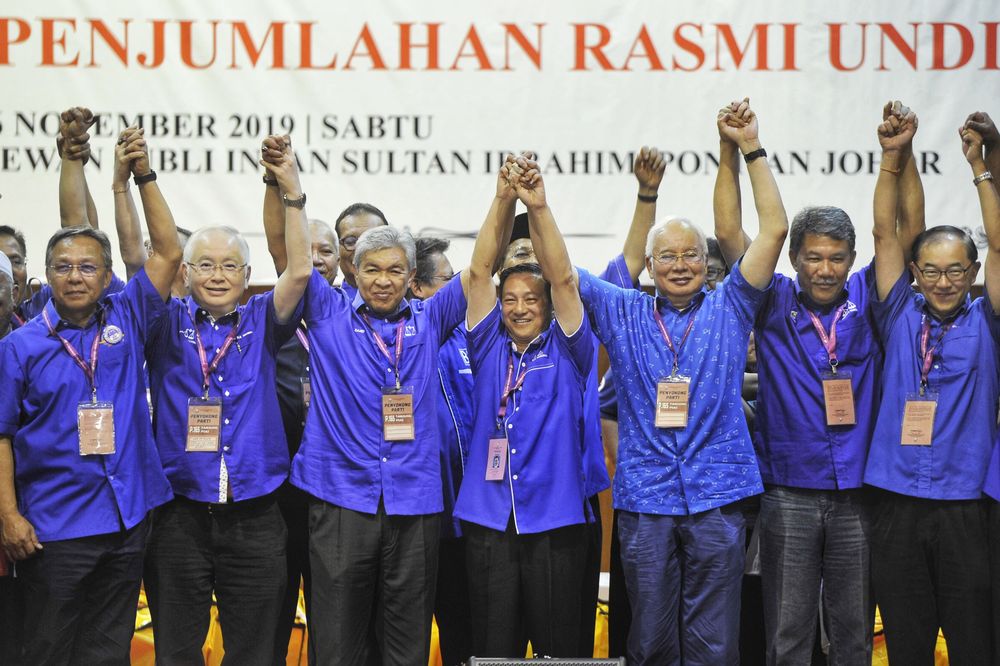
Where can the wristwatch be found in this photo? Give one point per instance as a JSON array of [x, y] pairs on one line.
[[294, 203]]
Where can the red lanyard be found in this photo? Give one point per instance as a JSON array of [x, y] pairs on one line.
[[393, 359], [507, 388], [208, 368], [301, 335], [666, 335], [17, 318], [829, 340], [90, 370], [927, 354]]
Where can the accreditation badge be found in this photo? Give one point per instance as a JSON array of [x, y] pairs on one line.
[[204, 424], [672, 401], [96, 426], [496, 461], [397, 414], [306, 391], [918, 419], [838, 398]]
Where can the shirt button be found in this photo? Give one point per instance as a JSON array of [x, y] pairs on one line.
[[225, 448], [514, 477], [227, 394], [111, 477], [513, 451], [220, 378], [385, 460], [937, 367], [226, 421], [509, 426], [217, 350], [303, 424]]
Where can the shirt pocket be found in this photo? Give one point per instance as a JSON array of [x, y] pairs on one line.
[[958, 355]]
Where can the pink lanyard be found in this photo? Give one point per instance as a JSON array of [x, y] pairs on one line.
[[507, 388], [90, 370], [927, 354], [208, 368], [829, 340], [393, 359], [301, 335], [666, 335]]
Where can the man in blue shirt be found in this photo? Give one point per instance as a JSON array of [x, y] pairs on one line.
[[451, 600], [353, 221], [685, 455], [814, 336], [370, 454], [220, 437], [74, 415], [936, 424]]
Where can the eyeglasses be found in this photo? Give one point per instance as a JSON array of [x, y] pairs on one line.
[[442, 278], [63, 270], [668, 259], [206, 268], [715, 272], [954, 274], [349, 242]]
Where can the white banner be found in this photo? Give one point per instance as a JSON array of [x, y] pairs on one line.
[[410, 106]]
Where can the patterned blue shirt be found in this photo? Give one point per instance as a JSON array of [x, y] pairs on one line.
[[966, 376], [344, 458], [544, 480], [455, 416], [711, 462], [63, 494], [795, 446], [252, 437]]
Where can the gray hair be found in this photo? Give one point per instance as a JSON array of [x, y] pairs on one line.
[[674, 220], [382, 238], [232, 232], [821, 221], [326, 227], [86, 231]]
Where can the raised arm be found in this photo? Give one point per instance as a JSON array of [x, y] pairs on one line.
[[493, 235], [894, 136], [761, 256], [127, 221], [274, 209], [981, 122], [292, 281], [161, 267], [17, 535], [550, 247], [989, 205], [648, 169], [75, 204], [726, 198], [910, 205]]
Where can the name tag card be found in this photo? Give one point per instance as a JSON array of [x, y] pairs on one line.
[[838, 396], [96, 425], [918, 419], [397, 414], [496, 461], [306, 391], [204, 424], [672, 399]]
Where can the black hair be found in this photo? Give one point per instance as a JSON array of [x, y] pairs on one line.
[[6, 230], [928, 236], [427, 247], [358, 209], [81, 230], [715, 251], [527, 267]]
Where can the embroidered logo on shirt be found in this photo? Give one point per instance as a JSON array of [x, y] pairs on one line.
[[409, 330], [464, 353], [112, 335]]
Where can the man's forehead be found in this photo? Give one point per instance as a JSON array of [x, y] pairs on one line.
[[386, 256], [9, 245], [78, 245], [360, 222], [215, 242]]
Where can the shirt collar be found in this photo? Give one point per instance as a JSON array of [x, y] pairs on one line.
[[534, 344], [199, 313], [804, 299], [361, 307], [664, 305], [58, 323], [954, 315]]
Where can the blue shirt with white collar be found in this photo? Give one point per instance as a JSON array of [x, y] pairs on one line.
[[795, 446], [711, 462], [252, 439], [63, 494], [344, 458], [965, 375], [544, 483], [455, 416]]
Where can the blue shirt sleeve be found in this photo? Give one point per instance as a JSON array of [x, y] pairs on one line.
[[143, 301], [579, 347], [318, 301], [482, 338], [446, 309], [12, 379], [278, 333], [617, 274], [604, 303], [745, 299], [885, 313]]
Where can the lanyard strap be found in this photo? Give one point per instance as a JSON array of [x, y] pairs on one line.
[[208, 368], [17, 318], [666, 335], [392, 358], [829, 340], [927, 353], [507, 387], [90, 370], [303, 340]]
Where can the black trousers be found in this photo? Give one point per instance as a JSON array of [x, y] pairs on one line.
[[619, 606], [993, 525], [930, 569], [294, 506], [534, 578], [591, 579], [12, 619], [80, 599], [451, 603], [356, 560], [236, 549]]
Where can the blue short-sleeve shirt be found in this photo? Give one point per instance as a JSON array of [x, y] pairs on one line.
[[711, 462], [62, 494], [344, 458], [454, 421]]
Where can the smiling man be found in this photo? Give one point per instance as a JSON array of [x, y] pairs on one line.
[[219, 433], [74, 415], [370, 455], [819, 365], [936, 424]]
